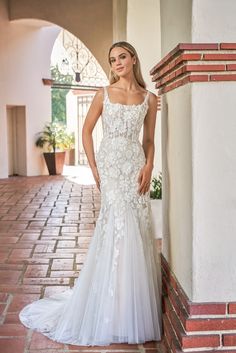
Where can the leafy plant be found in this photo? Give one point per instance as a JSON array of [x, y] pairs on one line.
[[156, 192], [59, 94], [69, 141], [53, 137]]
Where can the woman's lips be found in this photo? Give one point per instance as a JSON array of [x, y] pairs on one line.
[[120, 69]]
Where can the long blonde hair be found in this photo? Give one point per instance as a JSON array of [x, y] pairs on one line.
[[136, 67]]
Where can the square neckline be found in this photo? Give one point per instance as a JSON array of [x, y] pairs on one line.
[[125, 105]]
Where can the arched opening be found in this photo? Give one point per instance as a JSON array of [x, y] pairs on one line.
[[76, 76], [29, 51]]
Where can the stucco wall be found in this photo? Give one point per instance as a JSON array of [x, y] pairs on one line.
[[143, 24], [176, 150], [214, 193], [176, 23], [26, 41], [27, 48], [214, 163], [177, 146], [200, 202], [199, 159], [119, 20], [90, 20], [213, 21]]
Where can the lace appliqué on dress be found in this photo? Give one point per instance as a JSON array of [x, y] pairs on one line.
[[119, 162]]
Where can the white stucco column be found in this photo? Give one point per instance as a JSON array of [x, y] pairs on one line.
[[143, 24], [199, 155], [214, 162], [196, 79]]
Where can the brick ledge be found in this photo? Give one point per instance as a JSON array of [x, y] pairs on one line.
[[195, 62]]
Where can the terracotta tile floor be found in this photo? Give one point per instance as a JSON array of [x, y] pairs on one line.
[[46, 224]]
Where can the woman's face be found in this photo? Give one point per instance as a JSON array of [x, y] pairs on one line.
[[121, 61]]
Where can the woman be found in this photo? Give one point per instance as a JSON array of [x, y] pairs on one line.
[[116, 297]]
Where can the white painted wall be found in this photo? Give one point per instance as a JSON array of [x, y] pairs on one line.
[[198, 132], [214, 192], [72, 119], [143, 25], [214, 163], [177, 243], [176, 23], [176, 150], [200, 202], [213, 21], [27, 49], [16, 141]]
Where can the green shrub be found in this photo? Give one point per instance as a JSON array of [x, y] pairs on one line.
[[156, 191]]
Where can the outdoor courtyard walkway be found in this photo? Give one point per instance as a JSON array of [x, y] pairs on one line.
[[46, 224]]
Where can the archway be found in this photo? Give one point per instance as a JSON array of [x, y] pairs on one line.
[[29, 51], [90, 20], [76, 77]]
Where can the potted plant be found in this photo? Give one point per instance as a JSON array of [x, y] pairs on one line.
[[156, 205], [69, 144], [51, 139]]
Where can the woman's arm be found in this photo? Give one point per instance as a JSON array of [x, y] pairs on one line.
[[148, 145], [92, 116]]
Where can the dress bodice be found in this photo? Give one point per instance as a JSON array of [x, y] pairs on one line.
[[122, 120], [121, 155]]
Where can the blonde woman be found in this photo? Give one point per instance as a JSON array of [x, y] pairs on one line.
[[116, 298]]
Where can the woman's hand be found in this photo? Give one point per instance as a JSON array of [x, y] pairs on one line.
[[144, 179], [96, 177]]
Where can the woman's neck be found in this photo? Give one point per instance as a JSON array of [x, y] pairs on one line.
[[127, 84]]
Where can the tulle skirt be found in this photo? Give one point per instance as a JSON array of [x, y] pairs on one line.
[[116, 297]]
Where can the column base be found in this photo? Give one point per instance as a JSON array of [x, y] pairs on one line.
[[195, 327]]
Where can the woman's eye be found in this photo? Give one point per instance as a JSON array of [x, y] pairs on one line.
[[123, 57]]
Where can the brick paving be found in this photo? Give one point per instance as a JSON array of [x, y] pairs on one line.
[[46, 224]]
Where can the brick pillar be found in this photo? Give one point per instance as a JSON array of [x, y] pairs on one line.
[[197, 84]]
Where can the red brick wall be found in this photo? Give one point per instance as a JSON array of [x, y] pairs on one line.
[[194, 62], [192, 326]]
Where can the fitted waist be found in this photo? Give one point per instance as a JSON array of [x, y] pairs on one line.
[[117, 135]]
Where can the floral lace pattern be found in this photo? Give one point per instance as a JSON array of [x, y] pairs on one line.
[[121, 155], [119, 161]]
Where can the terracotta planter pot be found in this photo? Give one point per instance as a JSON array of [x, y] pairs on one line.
[[55, 162], [70, 157]]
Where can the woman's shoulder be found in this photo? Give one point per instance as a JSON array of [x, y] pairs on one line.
[[111, 87], [152, 97], [99, 96], [100, 92], [152, 100]]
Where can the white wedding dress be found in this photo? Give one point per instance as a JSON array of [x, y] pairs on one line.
[[116, 297]]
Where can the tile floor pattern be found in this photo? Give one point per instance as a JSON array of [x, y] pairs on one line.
[[46, 224]]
